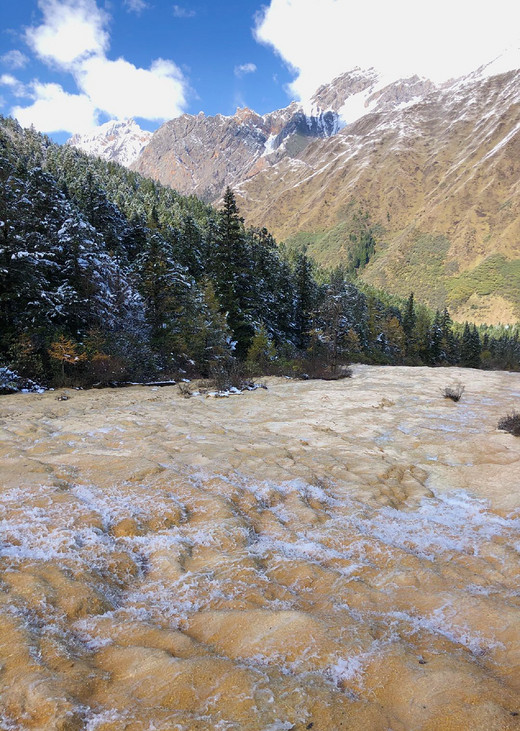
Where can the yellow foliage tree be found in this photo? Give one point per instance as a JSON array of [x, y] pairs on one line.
[[65, 351], [395, 336]]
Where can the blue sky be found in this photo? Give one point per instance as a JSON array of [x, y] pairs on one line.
[[68, 65], [220, 63]]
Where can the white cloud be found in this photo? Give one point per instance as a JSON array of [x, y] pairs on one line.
[[54, 110], [72, 30], [15, 85], [180, 12], [73, 37], [136, 6], [439, 40], [14, 59], [8, 80], [245, 68], [122, 90]]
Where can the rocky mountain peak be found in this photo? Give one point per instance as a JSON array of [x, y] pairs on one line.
[[119, 141], [333, 96], [244, 115], [203, 155]]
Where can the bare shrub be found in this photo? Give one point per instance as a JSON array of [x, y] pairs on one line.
[[185, 390], [105, 368], [344, 371], [325, 372], [227, 374], [510, 423], [454, 392]]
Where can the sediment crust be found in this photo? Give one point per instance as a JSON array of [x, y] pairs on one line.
[[321, 555]]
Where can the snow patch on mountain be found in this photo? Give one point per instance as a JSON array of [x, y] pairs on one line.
[[502, 142], [356, 106], [115, 141]]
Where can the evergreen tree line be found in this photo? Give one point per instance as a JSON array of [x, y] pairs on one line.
[[106, 275]]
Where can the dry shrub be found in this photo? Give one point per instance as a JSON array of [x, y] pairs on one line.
[[327, 373], [510, 423], [185, 390], [104, 368], [226, 374], [454, 392]]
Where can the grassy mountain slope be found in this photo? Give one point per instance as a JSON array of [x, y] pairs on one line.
[[441, 181]]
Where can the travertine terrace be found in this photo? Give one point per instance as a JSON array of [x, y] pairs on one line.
[[313, 556]]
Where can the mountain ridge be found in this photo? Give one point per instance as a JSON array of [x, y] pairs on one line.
[[115, 141], [434, 166]]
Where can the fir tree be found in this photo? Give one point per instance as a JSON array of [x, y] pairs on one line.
[[470, 348], [232, 274], [261, 352], [204, 336], [306, 295], [165, 290], [338, 315], [408, 323], [448, 339], [476, 348], [435, 353]]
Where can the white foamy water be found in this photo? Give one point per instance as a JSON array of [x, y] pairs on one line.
[[284, 566]]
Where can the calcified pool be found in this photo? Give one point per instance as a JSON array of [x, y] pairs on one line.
[[312, 556]]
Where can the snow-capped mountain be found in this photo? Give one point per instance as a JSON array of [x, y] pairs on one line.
[[434, 169], [117, 141], [203, 155]]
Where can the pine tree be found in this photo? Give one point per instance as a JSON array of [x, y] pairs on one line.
[[261, 353], [435, 354], [395, 337], [467, 347], [166, 292], [10, 278], [408, 323], [190, 247], [231, 270], [375, 317], [306, 296], [476, 348], [448, 339], [338, 315], [207, 338]]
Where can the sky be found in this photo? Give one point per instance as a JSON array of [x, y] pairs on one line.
[[69, 65]]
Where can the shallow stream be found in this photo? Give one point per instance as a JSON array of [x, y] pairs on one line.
[[318, 555]]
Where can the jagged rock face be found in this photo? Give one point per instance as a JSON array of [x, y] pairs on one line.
[[120, 142], [203, 155]]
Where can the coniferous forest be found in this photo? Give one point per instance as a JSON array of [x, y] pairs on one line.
[[106, 276]]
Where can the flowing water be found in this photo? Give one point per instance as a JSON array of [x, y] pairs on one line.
[[313, 556]]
